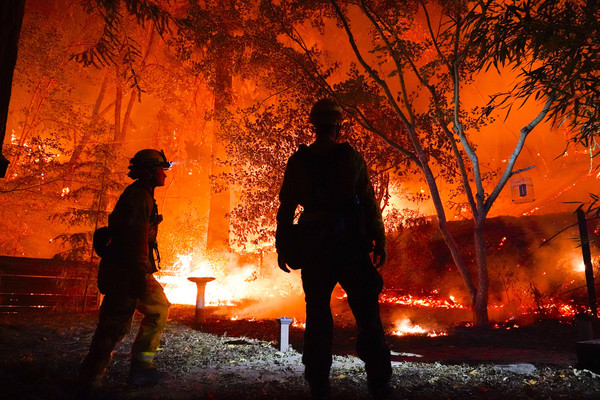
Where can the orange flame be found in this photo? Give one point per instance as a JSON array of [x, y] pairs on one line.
[[409, 300], [404, 326], [233, 282]]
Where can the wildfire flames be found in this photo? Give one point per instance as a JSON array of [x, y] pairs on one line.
[[249, 292], [412, 301], [233, 283], [405, 326]]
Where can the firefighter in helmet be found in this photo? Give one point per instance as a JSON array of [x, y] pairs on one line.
[[125, 278], [338, 230]]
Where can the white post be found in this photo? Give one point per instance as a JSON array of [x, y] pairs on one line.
[[284, 333]]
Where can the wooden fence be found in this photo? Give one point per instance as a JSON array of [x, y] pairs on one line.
[[38, 284]]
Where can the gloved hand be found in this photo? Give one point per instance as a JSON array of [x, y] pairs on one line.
[[379, 255], [282, 264]]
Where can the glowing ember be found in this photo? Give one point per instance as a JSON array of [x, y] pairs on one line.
[[506, 327], [405, 327], [502, 242], [409, 300]]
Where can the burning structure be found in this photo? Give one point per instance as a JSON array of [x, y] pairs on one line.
[[227, 108]]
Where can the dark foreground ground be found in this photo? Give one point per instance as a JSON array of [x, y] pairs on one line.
[[40, 353]]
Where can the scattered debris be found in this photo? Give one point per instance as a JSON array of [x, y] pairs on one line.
[[521, 369]]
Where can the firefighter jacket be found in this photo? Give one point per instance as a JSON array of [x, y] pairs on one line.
[[333, 185], [133, 226]]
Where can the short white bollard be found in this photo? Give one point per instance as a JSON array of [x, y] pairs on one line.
[[284, 333]]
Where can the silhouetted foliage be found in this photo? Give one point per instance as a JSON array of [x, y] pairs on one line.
[[115, 45], [553, 46]]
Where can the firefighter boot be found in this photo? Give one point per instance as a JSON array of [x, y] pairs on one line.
[[143, 373], [91, 371]]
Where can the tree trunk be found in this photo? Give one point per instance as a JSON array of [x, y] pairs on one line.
[[480, 305], [11, 16], [218, 225]]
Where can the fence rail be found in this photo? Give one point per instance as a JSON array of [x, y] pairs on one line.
[[37, 284]]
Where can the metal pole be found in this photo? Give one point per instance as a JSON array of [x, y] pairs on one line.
[[587, 260]]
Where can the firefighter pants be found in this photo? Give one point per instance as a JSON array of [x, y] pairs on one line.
[[114, 322], [362, 283]]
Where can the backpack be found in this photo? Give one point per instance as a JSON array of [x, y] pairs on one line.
[[345, 222], [340, 228], [101, 240]]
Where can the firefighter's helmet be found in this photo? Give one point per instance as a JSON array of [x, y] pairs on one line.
[[326, 112], [149, 158]]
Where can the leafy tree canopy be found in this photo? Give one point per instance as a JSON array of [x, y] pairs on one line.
[[554, 47]]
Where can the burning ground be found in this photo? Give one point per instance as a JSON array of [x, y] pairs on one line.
[[239, 359]]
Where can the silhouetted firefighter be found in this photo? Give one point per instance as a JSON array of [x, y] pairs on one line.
[[339, 227], [125, 278]]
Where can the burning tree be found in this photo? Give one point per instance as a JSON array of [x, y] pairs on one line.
[[39, 143], [267, 120], [209, 40], [76, 137], [111, 44]]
